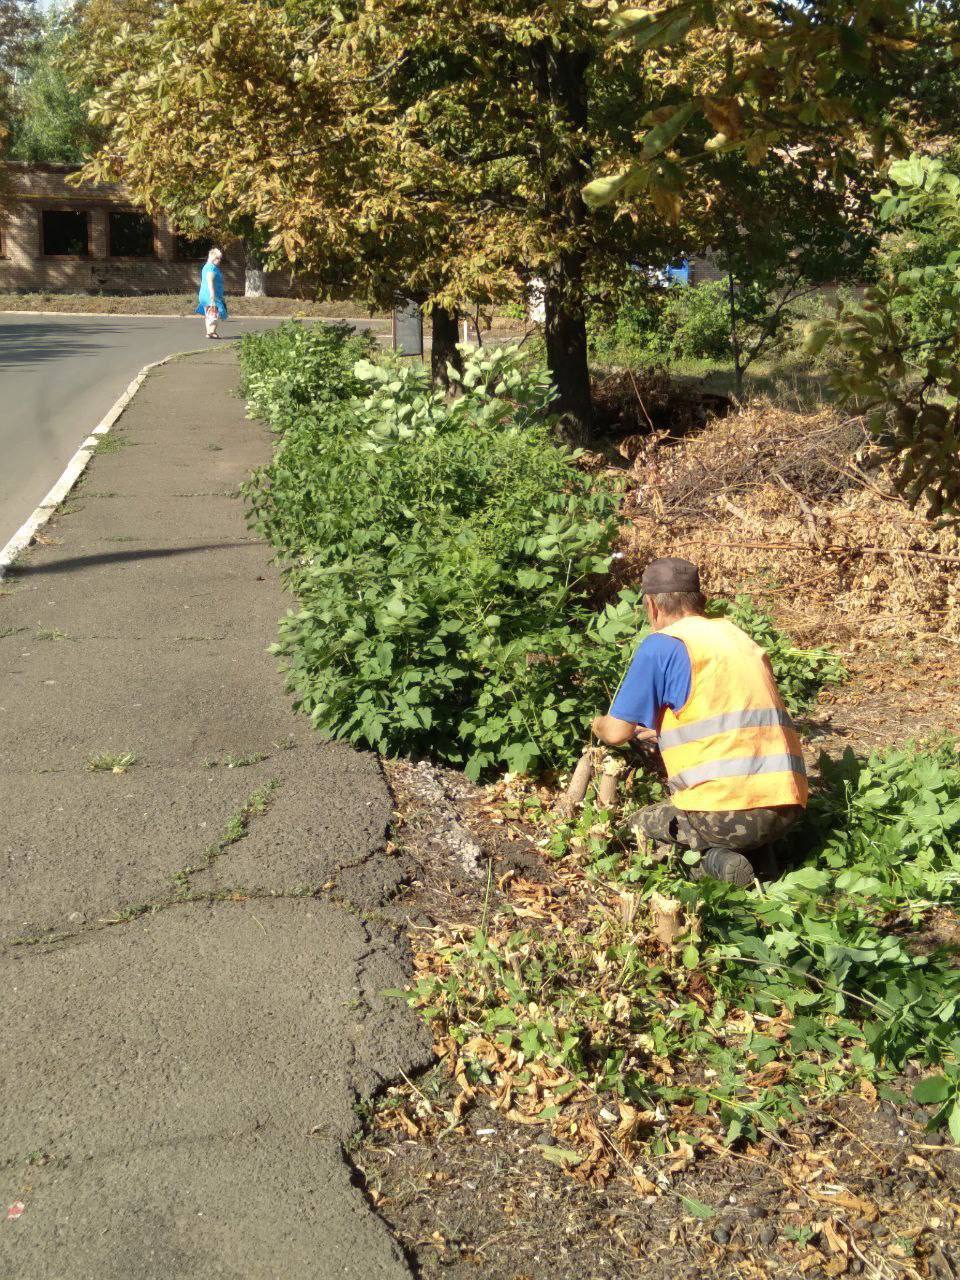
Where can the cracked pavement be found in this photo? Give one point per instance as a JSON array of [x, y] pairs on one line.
[[192, 951]]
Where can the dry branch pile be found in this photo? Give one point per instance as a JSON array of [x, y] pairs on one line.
[[796, 510]]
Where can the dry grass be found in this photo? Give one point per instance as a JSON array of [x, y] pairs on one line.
[[179, 304], [797, 510]]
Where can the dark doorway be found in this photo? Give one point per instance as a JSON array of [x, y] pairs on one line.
[[66, 233], [131, 235]]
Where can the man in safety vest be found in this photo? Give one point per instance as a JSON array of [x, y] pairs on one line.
[[705, 693]]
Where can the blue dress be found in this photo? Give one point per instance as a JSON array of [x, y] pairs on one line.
[[211, 290]]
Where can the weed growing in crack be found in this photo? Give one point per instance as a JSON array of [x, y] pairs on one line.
[[237, 825], [6, 632], [230, 761], [51, 633], [210, 493], [108, 762]]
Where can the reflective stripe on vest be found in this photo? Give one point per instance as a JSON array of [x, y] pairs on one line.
[[744, 767], [731, 745], [759, 718]]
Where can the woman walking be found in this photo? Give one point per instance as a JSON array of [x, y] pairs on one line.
[[210, 303]]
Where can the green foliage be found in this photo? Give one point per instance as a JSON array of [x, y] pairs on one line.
[[444, 555], [50, 123], [695, 324], [901, 344], [807, 976], [434, 547], [296, 366], [671, 324]]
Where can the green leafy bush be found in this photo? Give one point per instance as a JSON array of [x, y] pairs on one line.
[[297, 366], [445, 556], [695, 323]]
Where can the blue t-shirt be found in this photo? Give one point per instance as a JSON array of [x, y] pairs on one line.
[[659, 676]]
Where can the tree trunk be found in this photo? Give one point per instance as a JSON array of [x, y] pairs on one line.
[[566, 338], [562, 75], [734, 337], [443, 346], [254, 283]]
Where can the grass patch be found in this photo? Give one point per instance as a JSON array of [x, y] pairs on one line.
[[50, 633], [179, 304], [5, 632], [110, 762], [111, 444]]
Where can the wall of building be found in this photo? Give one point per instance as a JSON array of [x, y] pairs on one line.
[[24, 266]]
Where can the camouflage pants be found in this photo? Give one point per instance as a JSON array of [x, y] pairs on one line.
[[740, 829]]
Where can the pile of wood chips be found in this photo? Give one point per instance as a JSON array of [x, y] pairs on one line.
[[798, 510]]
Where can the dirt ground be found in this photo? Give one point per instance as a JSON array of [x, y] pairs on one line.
[[856, 1186]]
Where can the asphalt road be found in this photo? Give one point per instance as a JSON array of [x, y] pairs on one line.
[[59, 376], [181, 1085]]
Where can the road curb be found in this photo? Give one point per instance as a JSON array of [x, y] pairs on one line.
[[78, 463]]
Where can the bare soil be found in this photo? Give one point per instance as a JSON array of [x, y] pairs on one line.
[[855, 1187]]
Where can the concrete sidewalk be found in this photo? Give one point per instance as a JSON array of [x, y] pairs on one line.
[[189, 1015]]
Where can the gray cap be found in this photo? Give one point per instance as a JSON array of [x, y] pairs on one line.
[[669, 574]]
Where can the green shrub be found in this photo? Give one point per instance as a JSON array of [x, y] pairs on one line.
[[444, 556], [295, 366], [628, 329], [680, 322], [696, 322]]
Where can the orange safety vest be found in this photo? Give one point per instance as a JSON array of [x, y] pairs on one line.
[[731, 745]]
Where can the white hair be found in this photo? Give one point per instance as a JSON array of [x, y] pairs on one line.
[[215, 255]]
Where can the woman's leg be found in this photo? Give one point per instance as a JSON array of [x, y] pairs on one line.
[[210, 318]]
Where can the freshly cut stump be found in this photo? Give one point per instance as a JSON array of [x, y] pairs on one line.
[[667, 915], [577, 786]]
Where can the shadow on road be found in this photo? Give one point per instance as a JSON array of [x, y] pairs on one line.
[[44, 340], [121, 557]]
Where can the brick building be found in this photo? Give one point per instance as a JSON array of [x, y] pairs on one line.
[[60, 237]]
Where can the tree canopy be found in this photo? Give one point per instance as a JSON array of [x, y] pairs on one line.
[[48, 116], [445, 153]]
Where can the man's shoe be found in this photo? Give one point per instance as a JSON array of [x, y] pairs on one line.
[[724, 864]]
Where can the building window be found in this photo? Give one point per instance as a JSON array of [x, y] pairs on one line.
[[65, 233], [131, 235], [192, 248]]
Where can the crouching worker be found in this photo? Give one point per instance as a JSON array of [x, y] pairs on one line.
[[705, 693]]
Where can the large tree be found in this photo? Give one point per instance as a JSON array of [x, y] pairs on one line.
[[417, 148], [19, 29], [405, 150], [49, 120]]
